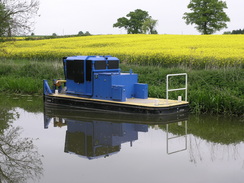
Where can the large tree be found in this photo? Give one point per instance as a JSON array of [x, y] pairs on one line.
[[16, 16], [133, 21], [149, 26], [4, 20], [207, 15]]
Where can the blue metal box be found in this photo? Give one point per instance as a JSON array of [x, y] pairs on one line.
[[141, 90], [119, 93]]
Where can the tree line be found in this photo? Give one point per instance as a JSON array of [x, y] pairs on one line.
[[238, 31], [208, 16]]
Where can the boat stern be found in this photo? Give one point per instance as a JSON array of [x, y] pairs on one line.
[[46, 88]]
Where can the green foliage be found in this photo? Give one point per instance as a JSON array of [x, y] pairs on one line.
[[20, 85], [207, 15], [16, 17], [54, 35], [27, 76], [133, 24], [87, 33], [149, 26], [216, 91], [238, 31], [80, 33], [4, 19]]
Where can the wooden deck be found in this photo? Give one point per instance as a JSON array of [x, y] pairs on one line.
[[150, 102]]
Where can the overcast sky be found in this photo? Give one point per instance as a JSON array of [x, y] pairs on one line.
[[98, 16]]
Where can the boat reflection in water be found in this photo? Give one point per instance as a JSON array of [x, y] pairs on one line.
[[92, 134]]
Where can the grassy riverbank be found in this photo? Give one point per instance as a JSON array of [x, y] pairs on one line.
[[216, 91]]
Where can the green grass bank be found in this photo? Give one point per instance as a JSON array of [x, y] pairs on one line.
[[214, 91]]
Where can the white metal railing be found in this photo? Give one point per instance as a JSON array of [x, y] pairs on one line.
[[176, 89]]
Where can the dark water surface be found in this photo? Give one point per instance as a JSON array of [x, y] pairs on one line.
[[59, 146]]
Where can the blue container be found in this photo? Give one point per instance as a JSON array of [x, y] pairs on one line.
[[119, 93], [141, 90]]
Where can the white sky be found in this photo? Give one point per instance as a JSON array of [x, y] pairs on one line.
[[65, 17]]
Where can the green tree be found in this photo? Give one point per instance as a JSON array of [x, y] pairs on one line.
[[133, 24], [87, 33], [16, 16], [207, 15], [4, 19], [80, 33], [149, 26], [238, 31]]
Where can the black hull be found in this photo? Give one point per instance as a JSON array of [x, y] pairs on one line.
[[90, 116], [112, 107]]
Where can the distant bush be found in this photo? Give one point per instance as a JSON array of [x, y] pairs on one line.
[[239, 31]]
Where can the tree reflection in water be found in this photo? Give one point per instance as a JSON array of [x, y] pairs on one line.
[[19, 158]]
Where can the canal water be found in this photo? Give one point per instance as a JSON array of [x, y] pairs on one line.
[[57, 145]]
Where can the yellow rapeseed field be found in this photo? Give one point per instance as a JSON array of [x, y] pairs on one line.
[[213, 50]]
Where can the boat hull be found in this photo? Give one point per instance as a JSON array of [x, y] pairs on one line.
[[105, 105]]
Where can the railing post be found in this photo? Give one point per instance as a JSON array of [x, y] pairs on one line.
[[176, 89], [167, 88]]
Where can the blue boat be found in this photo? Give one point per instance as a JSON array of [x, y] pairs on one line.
[[97, 83]]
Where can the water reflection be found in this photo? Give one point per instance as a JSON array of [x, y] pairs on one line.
[[99, 138], [215, 145], [215, 139], [170, 138], [94, 135], [19, 158]]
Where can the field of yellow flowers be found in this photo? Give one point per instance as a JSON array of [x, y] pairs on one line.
[[196, 50]]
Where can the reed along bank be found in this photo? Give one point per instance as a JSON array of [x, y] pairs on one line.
[[217, 90]]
